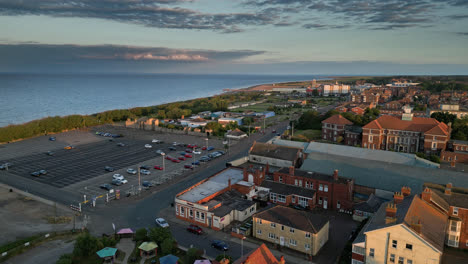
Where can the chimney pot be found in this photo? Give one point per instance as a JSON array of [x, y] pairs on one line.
[[291, 170], [398, 197], [426, 195], [335, 175], [282, 261], [448, 189]]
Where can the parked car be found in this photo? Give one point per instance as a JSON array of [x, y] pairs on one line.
[[124, 181], [145, 172], [50, 153], [108, 168], [195, 229], [175, 160], [147, 184], [43, 172], [106, 186], [221, 152], [159, 151], [278, 134], [148, 146], [188, 150], [168, 157], [116, 182], [197, 152], [204, 148], [145, 167], [175, 143], [188, 166], [120, 144], [52, 138], [221, 245], [273, 131], [154, 141], [36, 174], [131, 171], [182, 153], [118, 177], [210, 148], [157, 167], [205, 159], [181, 158], [172, 148], [161, 222], [196, 163], [5, 165], [187, 155], [69, 147]]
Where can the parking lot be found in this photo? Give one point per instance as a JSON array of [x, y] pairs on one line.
[[81, 169]]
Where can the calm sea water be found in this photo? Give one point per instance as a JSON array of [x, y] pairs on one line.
[[26, 97]]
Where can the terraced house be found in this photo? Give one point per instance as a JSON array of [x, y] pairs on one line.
[[302, 231]]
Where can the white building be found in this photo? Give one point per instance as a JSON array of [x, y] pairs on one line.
[[335, 89]]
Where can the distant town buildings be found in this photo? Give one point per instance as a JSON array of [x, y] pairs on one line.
[[334, 89]]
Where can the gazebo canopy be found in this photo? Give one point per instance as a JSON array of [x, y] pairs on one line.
[[148, 246], [202, 261], [125, 231], [169, 259], [106, 252]]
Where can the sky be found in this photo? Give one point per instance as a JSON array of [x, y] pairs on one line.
[[359, 37]]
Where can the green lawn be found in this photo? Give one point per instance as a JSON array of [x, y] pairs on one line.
[[256, 108], [310, 134]]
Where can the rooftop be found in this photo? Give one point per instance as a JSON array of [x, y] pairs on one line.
[[371, 205], [417, 124], [212, 185], [314, 175], [261, 255], [458, 197], [298, 219], [286, 189], [381, 174], [231, 200], [338, 120], [274, 151]]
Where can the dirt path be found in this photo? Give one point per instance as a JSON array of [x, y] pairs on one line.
[[126, 245]]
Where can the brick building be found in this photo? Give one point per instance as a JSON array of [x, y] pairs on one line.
[[408, 134], [330, 191], [454, 203], [274, 155], [334, 127], [456, 152]]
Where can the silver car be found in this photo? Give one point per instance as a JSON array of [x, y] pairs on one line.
[[131, 171]]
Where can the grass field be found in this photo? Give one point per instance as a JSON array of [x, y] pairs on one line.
[[256, 108], [310, 134]]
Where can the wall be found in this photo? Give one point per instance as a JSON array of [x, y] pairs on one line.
[[270, 161], [381, 241], [320, 238], [457, 157]]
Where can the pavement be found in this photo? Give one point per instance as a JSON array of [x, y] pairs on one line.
[[126, 245]]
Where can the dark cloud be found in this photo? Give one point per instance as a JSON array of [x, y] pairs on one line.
[[151, 13], [323, 26], [458, 17], [44, 56], [462, 33]]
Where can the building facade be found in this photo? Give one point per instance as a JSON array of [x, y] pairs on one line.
[[333, 128], [275, 155]]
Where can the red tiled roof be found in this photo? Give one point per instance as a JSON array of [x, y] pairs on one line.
[[338, 120], [261, 255], [417, 124]]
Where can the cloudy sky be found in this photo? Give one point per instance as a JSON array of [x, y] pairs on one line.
[[235, 36]]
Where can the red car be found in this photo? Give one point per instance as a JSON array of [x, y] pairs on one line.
[[189, 146], [195, 229], [175, 160], [188, 166], [182, 158], [168, 157], [204, 148], [158, 167], [187, 155], [188, 151]]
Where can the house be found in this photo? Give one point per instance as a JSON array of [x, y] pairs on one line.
[[408, 134], [330, 191], [275, 155], [333, 128], [228, 120], [299, 230], [456, 152], [353, 135], [194, 122], [405, 230], [260, 255], [236, 134], [367, 209], [217, 200], [284, 194], [454, 203]]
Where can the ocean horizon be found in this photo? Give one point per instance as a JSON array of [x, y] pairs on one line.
[[29, 96]]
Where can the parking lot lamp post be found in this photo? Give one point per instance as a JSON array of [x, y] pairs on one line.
[[164, 166], [242, 246], [139, 180], [206, 143]]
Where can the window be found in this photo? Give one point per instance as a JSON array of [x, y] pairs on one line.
[[371, 252], [401, 260], [320, 187], [394, 244], [295, 182], [338, 204], [359, 250], [392, 258], [300, 183], [409, 246], [191, 213], [282, 227], [307, 184], [320, 200], [409, 261], [281, 198], [326, 188], [271, 235], [311, 185], [273, 197], [259, 231], [280, 179], [259, 221], [293, 199], [307, 246], [291, 230], [273, 225], [307, 234], [455, 211], [371, 138], [181, 211], [202, 216], [292, 242], [455, 226], [434, 145]]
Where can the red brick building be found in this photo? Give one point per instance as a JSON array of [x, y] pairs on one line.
[[334, 127], [406, 134], [454, 203], [330, 191], [457, 152]]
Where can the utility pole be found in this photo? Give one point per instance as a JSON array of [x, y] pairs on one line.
[[292, 129], [139, 180]]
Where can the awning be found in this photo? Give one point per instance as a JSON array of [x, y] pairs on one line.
[[125, 231], [106, 252], [169, 259], [148, 246]]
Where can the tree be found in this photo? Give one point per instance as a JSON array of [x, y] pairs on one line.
[[193, 254], [444, 117], [315, 92], [167, 246], [65, 259], [159, 234], [248, 120], [141, 234], [309, 120], [222, 256], [86, 245]]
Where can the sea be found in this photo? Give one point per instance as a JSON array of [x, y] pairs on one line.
[[26, 97]]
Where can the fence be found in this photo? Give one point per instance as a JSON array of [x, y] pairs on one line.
[[32, 242]]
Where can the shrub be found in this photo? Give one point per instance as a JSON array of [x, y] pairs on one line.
[[141, 235]]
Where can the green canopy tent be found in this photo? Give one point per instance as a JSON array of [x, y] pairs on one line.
[[107, 253], [148, 248]]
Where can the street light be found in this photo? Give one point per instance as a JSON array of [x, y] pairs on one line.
[[206, 143], [242, 246], [164, 167]]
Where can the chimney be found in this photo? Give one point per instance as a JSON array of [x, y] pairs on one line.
[[267, 169], [426, 195], [416, 226], [335, 175], [229, 184], [291, 170], [448, 189], [224, 261], [282, 261], [182, 117], [452, 164], [398, 197], [406, 191], [390, 213]]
